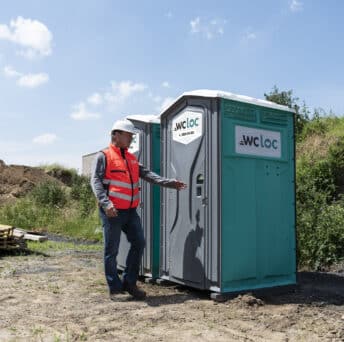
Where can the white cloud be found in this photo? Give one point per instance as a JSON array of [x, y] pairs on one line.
[[156, 99], [45, 139], [296, 6], [166, 103], [118, 94], [195, 25], [33, 80], [209, 30], [81, 113], [33, 35], [169, 14], [249, 35], [95, 99], [26, 80], [122, 91], [10, 72], [165, 84]]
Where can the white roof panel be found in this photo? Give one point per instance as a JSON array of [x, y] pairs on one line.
[[145, 118], [231, 96]]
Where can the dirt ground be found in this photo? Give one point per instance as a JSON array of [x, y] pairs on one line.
[[63, 297]]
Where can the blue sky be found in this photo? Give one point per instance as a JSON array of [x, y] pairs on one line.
[[69, 69]]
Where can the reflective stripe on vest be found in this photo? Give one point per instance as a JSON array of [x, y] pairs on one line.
[[119, 183], [123, 196]]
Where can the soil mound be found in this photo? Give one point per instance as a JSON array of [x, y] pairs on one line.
[[17, 180]]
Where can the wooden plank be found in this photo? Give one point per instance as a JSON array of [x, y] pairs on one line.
[[35, 237], [17, 232], [29, 235]]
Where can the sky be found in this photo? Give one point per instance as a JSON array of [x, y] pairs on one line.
[[69, 69]]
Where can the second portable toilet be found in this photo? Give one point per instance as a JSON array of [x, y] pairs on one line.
[[233, 228], [146, 147]]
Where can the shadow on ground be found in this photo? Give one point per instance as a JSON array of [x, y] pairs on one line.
[[313, 288]]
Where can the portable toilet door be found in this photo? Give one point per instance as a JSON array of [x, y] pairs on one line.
[[233, 228], [146, 147]]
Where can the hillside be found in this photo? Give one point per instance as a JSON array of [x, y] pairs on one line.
[[16, 181]]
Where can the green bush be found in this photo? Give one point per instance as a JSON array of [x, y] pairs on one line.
[[49, 194], [336, 159], [81, 191], [319, 200], [315, 183], [321, 236]]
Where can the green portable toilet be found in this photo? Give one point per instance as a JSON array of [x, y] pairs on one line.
[[146, 147], [233, 228]]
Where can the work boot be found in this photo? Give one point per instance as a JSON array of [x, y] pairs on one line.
[[114, 294], [133, 290]]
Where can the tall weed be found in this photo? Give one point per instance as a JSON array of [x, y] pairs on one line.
[[49, 194]]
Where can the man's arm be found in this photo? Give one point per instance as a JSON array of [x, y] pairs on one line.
[[97, 176], [154, 178]]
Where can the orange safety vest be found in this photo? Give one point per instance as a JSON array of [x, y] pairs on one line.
[[121, 178]]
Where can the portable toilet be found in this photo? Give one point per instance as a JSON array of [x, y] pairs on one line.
[[146, 147], [233, 228]]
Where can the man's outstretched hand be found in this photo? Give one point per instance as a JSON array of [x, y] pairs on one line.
[[179, 185]]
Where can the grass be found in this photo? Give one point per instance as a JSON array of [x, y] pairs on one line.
[[88, 228], [66, 221], [53, 246], [56, 166], [318, 136]]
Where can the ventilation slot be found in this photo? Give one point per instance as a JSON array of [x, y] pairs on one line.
[[240, 113], [274, 118]]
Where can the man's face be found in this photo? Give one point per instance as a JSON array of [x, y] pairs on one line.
[[123, 139]]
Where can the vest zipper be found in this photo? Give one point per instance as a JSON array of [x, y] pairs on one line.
[[131, 181]]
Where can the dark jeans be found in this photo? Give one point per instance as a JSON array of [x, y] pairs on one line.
[[129, 222]]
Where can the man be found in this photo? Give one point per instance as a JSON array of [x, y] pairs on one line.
[[115, 183]]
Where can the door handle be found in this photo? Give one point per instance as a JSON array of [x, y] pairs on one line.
[[199, 184]]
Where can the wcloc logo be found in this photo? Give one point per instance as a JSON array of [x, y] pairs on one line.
[[187, 127], [188, 123], [257, 142]]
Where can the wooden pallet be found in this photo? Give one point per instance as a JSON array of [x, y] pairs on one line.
[[5, 231], [9, 240]]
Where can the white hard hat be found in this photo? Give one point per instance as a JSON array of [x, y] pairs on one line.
[[124, 125]]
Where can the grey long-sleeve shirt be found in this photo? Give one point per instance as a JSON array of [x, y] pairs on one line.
[[97, 176]]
